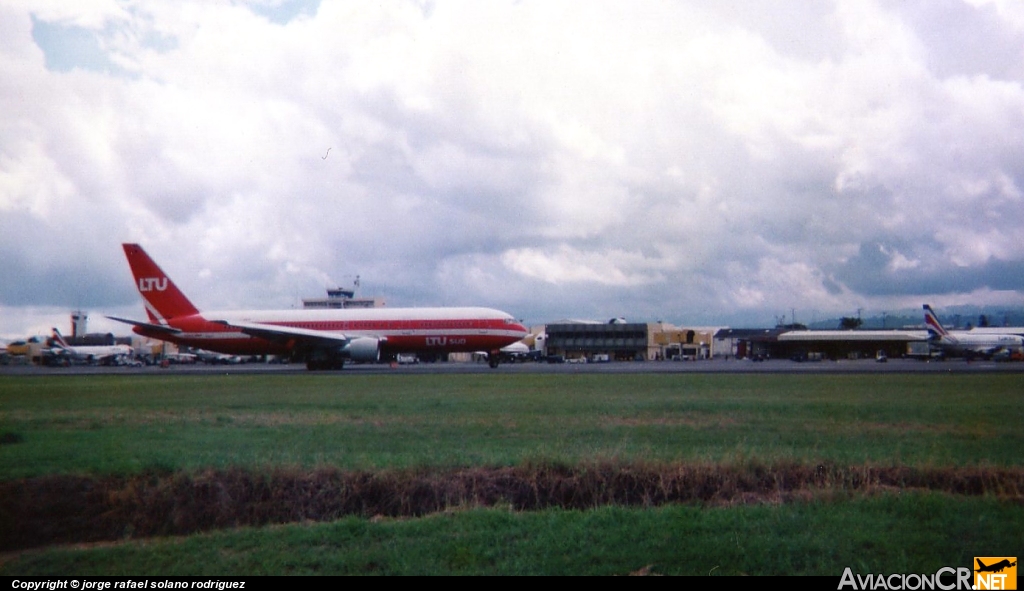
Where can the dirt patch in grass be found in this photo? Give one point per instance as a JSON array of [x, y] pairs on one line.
[[66, 509]]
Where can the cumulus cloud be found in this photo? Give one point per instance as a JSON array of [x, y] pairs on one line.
[[687, 161]]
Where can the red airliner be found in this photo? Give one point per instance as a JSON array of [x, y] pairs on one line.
[[324, 339]]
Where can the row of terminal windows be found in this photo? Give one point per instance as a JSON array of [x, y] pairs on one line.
[[599, 343]]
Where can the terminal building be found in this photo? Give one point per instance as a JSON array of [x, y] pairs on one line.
[[659, 341], [618, 340]]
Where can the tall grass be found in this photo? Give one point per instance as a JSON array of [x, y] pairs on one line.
[[909, 533], [68, 509]]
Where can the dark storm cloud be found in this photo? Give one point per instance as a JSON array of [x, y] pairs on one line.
[[876, 270], [40, 268]]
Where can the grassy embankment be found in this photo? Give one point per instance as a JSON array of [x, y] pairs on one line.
[[732, 448]]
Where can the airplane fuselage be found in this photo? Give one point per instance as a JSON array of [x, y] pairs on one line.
[[95, 353], [979, 343], [403, 330]]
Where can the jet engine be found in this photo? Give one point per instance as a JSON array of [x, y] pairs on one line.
[[363, 349]]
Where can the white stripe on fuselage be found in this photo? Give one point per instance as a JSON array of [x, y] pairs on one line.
[[426, 332], [358, 315]]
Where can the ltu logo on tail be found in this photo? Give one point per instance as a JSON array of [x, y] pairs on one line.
[[152, 283], [995, 572]]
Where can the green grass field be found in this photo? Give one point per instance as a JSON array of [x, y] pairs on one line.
[[119, 426]]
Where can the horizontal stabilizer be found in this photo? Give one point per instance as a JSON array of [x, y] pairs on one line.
[[147, 325]]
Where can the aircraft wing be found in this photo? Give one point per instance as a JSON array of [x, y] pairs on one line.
[[274, 332], [147, 325]]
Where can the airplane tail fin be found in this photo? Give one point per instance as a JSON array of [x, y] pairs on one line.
[[162, 297], [931, 322], [59, 339]]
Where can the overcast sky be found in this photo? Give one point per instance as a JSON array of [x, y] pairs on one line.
[[702, 163]]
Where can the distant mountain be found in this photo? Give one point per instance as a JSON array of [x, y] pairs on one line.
[[951, 316]]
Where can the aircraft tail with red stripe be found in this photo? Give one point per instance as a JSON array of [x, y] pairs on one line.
[[58, 339], [931, 322], [162, 297]]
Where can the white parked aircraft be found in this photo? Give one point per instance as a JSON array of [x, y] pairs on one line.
[[324, 339], [966, 343], [89, 353]]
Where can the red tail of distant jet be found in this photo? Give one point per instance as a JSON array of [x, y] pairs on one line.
[[163, 299], [931, 322], [322, 338], [58, 339]]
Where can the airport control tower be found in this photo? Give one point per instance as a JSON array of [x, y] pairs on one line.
[[79, 320], [339, 298]]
